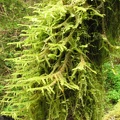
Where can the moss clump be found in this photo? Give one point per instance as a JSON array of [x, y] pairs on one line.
[[113, 114]]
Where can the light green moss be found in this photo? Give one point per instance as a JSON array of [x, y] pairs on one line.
[[113, 114], [58, 70]]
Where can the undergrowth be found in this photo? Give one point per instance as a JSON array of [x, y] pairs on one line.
[[112, 84]]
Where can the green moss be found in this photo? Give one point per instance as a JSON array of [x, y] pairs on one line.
[[58, 69], [113, 114]]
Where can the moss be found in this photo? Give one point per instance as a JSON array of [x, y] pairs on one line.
[[59, 66], [113, 114]]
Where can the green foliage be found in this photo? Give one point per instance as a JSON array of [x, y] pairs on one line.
[[55, 77], [112, 84]]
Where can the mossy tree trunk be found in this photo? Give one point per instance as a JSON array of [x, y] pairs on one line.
[[58, 73]]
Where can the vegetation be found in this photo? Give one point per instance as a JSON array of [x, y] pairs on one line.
[[55, 64], [112, 83], [113, 114], [11, 14]]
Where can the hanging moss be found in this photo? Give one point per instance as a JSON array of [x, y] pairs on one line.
[[58, 70]]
